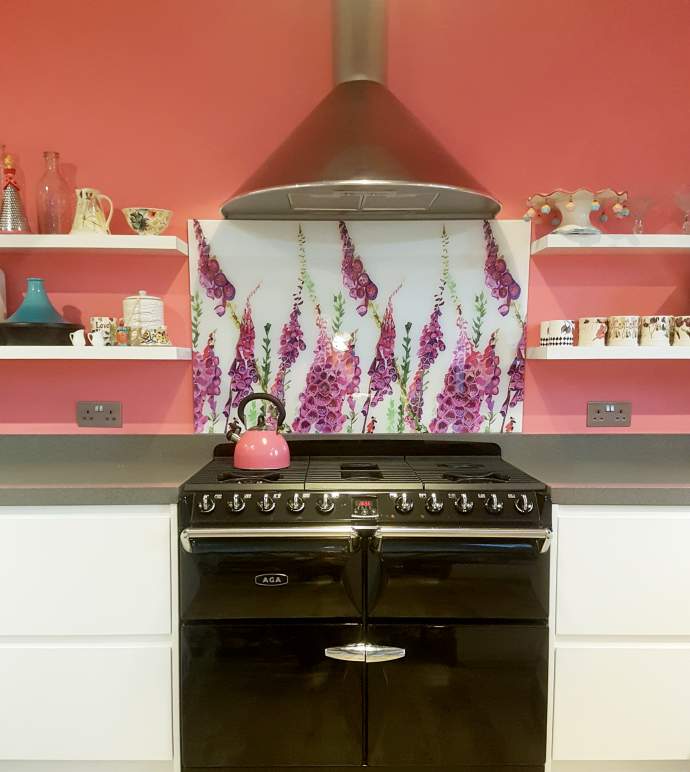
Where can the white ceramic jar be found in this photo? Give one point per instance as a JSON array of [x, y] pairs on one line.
[[143, 311]]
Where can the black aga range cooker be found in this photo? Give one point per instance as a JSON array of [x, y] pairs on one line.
[[379, 603]]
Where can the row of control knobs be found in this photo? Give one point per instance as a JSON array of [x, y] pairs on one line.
[[463, 504], [266, 503], [404, 504]]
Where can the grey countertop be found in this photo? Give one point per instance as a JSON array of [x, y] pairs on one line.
[[96, 470]]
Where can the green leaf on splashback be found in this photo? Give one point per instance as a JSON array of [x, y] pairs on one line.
[[391, 416], [196, 318], [252, 414], [338, 312], [265, 374], [479, 314], [405, 365]]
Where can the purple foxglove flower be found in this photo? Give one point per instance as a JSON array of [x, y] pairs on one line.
[[243, 370], [358, 283], [498, 278], [206, 376], [216, 284], [430, 345], [382, 371], [516, 379], [332, 378]]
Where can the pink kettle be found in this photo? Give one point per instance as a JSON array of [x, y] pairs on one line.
[[259, 447]]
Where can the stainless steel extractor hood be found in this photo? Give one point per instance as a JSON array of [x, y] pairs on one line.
[[361, 154]]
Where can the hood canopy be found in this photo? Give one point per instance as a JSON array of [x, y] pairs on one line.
[[361, 154]]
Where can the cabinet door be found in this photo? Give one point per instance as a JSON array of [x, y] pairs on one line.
[[621, 704], [78, 703], [623, 571], [72, 574], [267, 695], [463, 695]]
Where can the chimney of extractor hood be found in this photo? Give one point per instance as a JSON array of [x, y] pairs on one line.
[[360, 154]]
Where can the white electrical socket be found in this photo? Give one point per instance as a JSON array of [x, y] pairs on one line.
[[103, 415]]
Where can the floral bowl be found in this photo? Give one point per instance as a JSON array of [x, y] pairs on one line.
[[145, 221]]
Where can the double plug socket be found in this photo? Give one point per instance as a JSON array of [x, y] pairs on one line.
[[608, 414], [102, 415]]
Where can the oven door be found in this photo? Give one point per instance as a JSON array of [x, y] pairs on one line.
[[462, 695], [270, 573], [452, 573], [265, 695]]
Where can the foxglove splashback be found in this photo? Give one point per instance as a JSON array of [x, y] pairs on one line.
[[362, 326]]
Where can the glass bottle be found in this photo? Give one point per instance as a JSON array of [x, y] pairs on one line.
[[54, 198]]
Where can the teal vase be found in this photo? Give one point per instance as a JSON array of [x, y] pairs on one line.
[[36, 308]]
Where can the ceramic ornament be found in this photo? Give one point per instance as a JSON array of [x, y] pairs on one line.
[[13, 217], [575, 208]]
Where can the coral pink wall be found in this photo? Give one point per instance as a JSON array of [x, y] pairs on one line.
[[170, 103]]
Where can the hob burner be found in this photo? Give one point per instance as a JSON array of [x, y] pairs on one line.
[[247, 477]]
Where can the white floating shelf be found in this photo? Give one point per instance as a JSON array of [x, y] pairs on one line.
[[100, 243], [116, 353], [612, 244], [561, 353]]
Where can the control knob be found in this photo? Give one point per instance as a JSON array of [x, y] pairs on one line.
[[523, 504], [207, 503], [493, 504], [325, 505], [266, 504], [403, 505], [236, 504], [295, 504], [433, 504], [464, 504]]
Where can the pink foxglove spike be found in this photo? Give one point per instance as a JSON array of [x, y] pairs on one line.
[[13, 215]]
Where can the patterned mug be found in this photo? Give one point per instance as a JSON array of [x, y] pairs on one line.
[[623, 330], [105, 325], [592, 331], [655, 330], [153, 336], [681, 330], [561, 332]]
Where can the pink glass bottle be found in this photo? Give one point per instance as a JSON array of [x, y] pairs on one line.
[[54, 198]]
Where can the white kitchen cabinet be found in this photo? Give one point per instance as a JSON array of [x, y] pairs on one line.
[[621, 644], [88, 638], [623, 571], [85, 702], [75, 573], [627, 703]]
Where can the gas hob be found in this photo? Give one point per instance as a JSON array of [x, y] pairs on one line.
[[332, 482]]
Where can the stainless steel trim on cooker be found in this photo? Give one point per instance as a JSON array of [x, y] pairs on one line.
[[289, 532], [348, 532], [365, 652], [413, 532]]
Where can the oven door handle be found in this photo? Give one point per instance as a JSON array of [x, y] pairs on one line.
[[324, 532], [410, 532], [368, 653]]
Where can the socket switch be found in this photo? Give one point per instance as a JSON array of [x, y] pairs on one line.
[[103, 415], [609, 414]]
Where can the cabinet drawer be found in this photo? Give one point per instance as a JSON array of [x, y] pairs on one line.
[[86, 703], [69, 574], [621, 704], [626, 573]]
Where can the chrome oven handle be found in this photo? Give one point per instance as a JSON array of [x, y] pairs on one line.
[[189, 535], [364, 652], [411, 532]]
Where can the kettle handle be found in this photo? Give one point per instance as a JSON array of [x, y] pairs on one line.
[[269, 398]]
